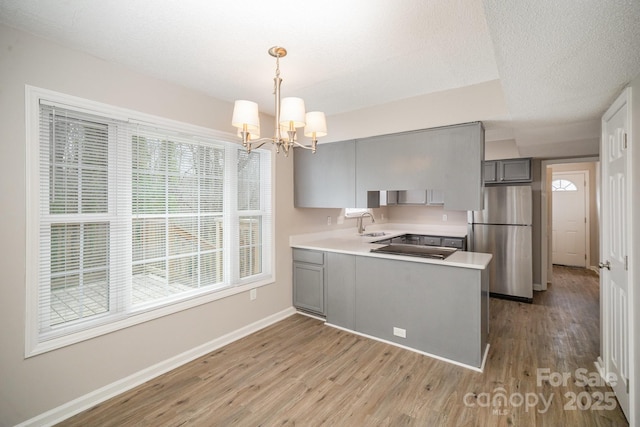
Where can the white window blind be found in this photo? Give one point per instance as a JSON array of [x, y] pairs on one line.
[[178, 215], [133, 218]]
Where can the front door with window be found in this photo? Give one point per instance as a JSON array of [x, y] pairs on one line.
[[569, 218]]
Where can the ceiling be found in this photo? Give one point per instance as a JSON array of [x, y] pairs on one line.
[[559, 63]]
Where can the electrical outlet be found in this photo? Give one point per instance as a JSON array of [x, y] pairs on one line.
[[444, 217], [253, 294], [381, 217], [399, 332], [328, 220]]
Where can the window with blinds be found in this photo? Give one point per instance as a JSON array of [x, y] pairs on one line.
[[134, 218]]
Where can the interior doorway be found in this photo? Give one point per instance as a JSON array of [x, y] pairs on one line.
[[570, 218], [591, 164]]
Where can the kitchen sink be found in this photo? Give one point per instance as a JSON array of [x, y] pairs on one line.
[[378, 234], [434, 252]]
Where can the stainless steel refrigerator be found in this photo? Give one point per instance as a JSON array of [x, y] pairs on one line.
[[503, 229]]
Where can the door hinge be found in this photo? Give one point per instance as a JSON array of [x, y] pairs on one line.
[[624, 140], [585, 219], [626, 263], [627, 385]]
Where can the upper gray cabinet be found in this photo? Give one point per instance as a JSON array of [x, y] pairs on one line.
[[490, 171], [507, 171], [326, 179], [447, 158], [352, 173], [412, 197], [435, 198]]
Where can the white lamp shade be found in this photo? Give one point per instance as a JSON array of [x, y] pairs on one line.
[[316, 122], [245, 113], [292, 110]]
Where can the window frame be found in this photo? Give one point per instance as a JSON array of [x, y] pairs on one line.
[[564, 186], [34, 344], [356, 212]]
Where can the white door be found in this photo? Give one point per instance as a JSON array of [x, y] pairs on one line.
[[614, 279], [569, 230]]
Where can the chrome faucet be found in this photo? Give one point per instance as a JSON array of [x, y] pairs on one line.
[[359, 221]]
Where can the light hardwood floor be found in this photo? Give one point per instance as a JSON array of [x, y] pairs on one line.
[[300, 372]]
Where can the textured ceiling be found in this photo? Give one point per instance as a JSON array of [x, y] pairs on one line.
[[560, 63]]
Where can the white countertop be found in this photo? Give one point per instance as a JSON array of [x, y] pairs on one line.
[[348, 241]]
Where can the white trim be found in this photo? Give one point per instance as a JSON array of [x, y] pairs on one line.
[[599, 364], [544, 226], [33, 97], [154, 313], [95, 397], [92, 107], [625, 97], [313, 316], [424, 353]]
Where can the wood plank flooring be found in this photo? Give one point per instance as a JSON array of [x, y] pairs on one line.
[[300, 372]]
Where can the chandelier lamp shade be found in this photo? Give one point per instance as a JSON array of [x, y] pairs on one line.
[[290, 115]]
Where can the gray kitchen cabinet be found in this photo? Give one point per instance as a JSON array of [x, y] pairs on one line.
[[327, 178], [412, 197], [490, 171], [442, 310], [435, 198], [309, 290], [396, 162], [507, 171], [341, 290], [515, 170], [447, 158]]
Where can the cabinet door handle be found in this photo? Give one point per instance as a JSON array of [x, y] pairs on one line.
[[605, 264]]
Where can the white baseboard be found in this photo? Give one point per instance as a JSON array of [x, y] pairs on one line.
[[313, 316], [538, 287], [600, 368], [595, 269], [91, 399]]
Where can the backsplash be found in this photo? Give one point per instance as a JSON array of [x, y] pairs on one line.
[[426, 215]]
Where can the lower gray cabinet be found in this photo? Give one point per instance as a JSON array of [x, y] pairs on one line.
[[341, 290], [441, 310], [309, 290]]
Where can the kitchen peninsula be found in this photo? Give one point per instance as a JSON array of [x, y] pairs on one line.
[[437, 307]]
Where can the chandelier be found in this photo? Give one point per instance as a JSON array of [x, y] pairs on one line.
[[290, 115]]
